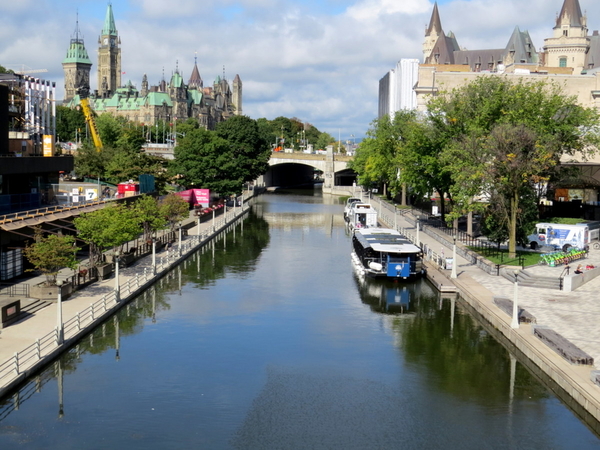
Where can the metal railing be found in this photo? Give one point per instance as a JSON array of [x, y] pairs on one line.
[[14, 290], [31, 356]]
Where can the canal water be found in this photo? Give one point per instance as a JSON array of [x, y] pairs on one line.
[[267, 339]]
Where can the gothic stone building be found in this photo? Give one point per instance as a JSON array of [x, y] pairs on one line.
[[165, 101]]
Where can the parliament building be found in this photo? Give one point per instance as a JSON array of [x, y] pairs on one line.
[[166, 101]]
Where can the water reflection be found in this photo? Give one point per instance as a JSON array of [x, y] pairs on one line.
[[232, 350]]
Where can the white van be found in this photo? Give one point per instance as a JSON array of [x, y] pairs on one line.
[[560, 236]]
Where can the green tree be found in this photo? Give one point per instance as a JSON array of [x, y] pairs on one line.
[[248, 150], [224, 159], [91, 163], [174, 209], [149, 215], [51, 253], [108, 227], [498, 137], [68, 122], [376, 160], [419, 161], [110, 128]]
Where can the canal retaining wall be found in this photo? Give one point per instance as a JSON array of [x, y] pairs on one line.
[[34, 358], [574, 381]]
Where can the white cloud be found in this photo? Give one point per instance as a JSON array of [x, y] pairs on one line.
[[319, 61]]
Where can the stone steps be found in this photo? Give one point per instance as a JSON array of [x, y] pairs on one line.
[[526, 279]]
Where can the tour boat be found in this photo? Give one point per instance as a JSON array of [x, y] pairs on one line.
[[385, 253], [362, 215], [349, 203]]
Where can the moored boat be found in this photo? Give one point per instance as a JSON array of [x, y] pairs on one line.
[[349, 203], [362, 215], [383, 252]]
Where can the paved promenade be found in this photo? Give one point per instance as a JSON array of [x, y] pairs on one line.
[[40, 325], [574, 315]]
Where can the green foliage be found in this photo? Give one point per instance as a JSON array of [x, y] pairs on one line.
[[67, 122], [108, 227], [174, 209], [224, 159], [498, 138], [51, 253], [149, 215], [110, 129]]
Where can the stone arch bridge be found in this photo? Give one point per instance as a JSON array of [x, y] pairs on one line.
[[296, 169]]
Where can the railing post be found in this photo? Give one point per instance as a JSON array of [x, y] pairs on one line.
[[17, 363]]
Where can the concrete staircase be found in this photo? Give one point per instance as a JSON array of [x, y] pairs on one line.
[[526, 279]]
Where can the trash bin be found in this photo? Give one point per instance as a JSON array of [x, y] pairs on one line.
[[449, 262]]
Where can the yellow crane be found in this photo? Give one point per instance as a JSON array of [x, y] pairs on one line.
[[89, 117]]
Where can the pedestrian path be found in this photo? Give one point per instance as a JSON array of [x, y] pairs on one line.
[[26, 343], [574, 315]]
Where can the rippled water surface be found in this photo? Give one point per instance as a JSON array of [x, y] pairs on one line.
[[268, 340]]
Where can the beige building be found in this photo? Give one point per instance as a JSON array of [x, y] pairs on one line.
[[570, 58]]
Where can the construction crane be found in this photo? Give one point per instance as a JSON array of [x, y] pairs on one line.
[[89, 116]]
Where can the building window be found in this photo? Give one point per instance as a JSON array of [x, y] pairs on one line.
[[565, 32], [562, 62]]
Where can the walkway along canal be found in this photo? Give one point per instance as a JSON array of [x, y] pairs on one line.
[[103, 303], [266, 338]]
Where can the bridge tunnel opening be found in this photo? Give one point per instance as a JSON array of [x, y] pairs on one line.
[[290, 175], [346, 177]]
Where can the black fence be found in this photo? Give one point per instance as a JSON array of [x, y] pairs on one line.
[[482, 247]]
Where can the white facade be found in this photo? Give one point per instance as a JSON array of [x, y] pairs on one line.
[[397, 92]]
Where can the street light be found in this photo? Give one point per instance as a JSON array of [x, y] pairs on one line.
[[179, 246], [117, 255], [153, 256], [60, 335], [515, 314], [453, 274]]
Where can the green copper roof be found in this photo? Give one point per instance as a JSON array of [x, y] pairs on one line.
[[194, 96], [77, 53], [157, 99], [176, 80], [109, 23]]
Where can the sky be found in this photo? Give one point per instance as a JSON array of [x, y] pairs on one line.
[[318, 61]]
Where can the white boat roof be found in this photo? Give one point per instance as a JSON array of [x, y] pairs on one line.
[[385, 240]]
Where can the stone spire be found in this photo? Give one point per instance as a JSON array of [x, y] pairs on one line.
[[432, 33], [570, 15], [195, 81], [435, 24]]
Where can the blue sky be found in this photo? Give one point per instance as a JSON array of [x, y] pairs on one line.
[[319, 61]]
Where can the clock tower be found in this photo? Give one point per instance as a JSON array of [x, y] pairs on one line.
[[109, 57]]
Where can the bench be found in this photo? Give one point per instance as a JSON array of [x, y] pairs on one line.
[[562, 346], [506, 305]]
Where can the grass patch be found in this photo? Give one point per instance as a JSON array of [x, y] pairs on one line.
[[501, 256]]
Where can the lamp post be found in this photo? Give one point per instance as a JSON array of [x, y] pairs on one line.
[[60, 335], [153, 256], [515, 314], [453, 274], [179, 246], [117, 287]]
